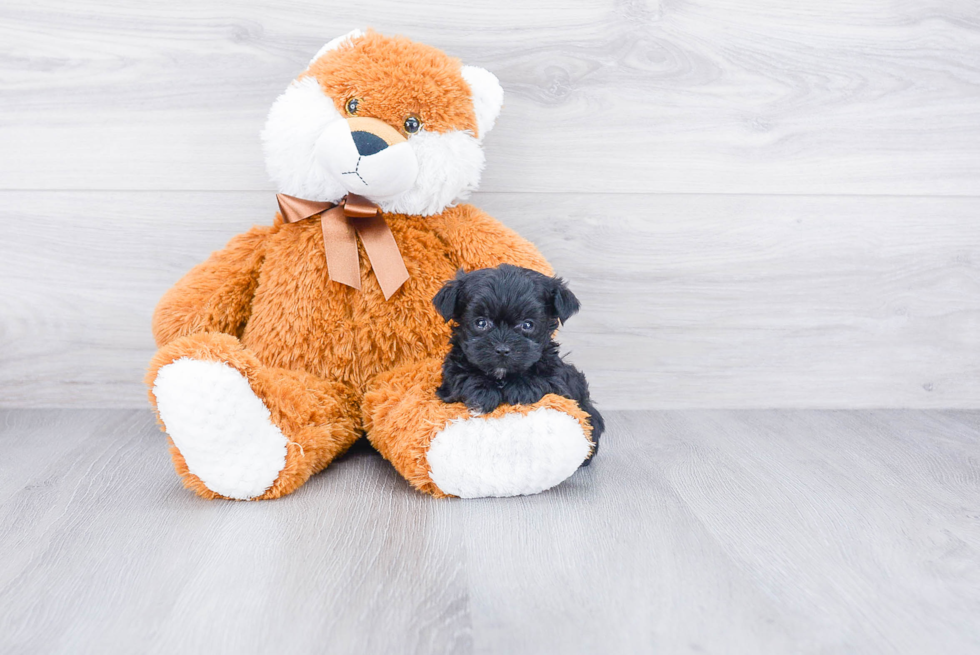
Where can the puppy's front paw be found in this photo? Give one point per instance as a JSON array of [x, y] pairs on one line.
[[482, 400], [482, 406]]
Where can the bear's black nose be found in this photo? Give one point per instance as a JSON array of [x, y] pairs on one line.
[[367, 143], [503, 350]]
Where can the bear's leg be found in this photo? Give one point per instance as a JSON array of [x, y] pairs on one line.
[[242, 430], [443, 449]]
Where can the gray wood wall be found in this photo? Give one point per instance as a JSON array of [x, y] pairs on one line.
[[760, 203]]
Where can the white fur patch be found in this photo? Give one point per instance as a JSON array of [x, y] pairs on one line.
[[449, 168], [487, 94], [514, 455], [220, 426], [385, 174], [296, 121]]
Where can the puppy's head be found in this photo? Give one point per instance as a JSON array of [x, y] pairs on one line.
[[504, 317], [398, 122]]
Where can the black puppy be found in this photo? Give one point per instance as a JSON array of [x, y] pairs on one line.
[[502, 346]]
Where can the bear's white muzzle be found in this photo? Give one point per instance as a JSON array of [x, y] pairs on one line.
[[367, 157]]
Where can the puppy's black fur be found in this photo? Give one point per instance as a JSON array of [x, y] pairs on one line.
[[502, 346]]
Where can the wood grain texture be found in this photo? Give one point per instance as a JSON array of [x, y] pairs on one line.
[[693, 532], [741, 96], [689, 301]]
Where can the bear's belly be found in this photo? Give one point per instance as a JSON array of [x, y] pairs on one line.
[[302, 320]]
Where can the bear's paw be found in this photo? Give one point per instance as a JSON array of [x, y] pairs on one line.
[[511, 455], [222, 429]]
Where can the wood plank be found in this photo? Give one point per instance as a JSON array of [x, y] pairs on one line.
[[21, 466], [109, 553], [689, 301], [694, 531], [742, 532], [681, 97]]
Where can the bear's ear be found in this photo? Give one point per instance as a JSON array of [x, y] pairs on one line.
[[447, 299], [564, 301], [488, 97], [336, 43]]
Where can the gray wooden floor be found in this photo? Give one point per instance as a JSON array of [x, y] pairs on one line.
[[769, 531]]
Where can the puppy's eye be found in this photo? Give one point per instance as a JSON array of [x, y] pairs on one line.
[[412, 125], [352, 105], [527, 326], [482, 324]]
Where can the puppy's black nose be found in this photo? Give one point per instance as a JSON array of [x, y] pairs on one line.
[[367, 143], [503, 350]]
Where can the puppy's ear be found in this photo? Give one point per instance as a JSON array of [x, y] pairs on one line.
[[564, 301], [445, 300]]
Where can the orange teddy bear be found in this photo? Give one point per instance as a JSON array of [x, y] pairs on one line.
[[280, 351]]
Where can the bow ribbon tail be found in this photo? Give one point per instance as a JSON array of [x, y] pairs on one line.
[[340, 224], [340, 247], [382, 251]]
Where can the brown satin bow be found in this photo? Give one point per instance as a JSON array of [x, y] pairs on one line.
[[339, 223]]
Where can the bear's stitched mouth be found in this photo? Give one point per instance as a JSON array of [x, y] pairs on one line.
[[355, 171], [388, 172]]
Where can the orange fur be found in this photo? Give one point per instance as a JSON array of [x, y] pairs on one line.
[[215, 295], [394, 78]]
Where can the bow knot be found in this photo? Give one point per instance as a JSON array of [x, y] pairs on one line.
[[353, 215]]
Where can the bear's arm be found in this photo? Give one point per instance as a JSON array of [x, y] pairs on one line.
[[216, 295], [478, 241]]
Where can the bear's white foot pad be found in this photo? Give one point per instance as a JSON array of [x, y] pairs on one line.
[[220, 426], [514, 455]]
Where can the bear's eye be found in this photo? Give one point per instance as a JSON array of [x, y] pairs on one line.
[[352, 105], [482, 324], [412, 125], [527, 326]]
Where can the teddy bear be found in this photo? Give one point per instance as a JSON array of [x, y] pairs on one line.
[[298, 338]]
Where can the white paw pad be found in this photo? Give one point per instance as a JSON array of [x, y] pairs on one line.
[[220, 426], [514, 455]]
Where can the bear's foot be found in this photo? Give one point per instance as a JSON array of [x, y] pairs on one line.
[[445, 450], [223, 431], [512, 455], [242, 430]]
